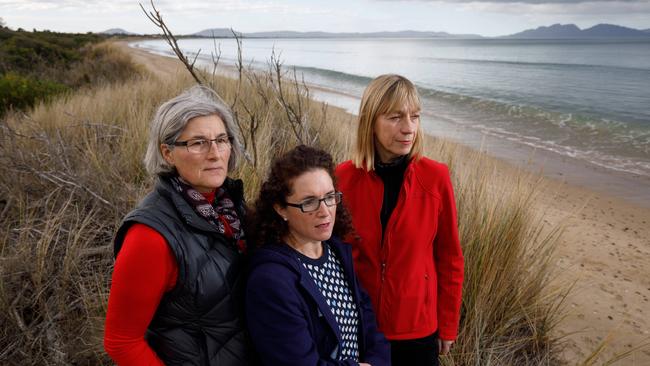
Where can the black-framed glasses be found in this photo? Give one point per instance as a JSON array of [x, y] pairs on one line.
[[202, 146], [313, 204]]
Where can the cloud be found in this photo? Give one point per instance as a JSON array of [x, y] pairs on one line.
[[532, 2], [236, 6], [162, 5], [580, 9], [38, 5]]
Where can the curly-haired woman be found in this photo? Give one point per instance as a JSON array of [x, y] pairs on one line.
[[304, 305]]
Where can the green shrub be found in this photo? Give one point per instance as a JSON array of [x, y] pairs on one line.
[[35, 66], [22, 92]]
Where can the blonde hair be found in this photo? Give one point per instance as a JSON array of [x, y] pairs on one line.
[[385, 94]]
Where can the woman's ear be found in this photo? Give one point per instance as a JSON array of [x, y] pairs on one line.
[[167, 154], [282, 211]]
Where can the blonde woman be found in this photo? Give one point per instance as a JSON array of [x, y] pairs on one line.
[[408, 254]]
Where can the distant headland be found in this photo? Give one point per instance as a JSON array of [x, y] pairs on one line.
[[555, 31]]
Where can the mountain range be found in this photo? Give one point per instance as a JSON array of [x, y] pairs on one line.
[[117, 31], [555, 31], [227, 33]]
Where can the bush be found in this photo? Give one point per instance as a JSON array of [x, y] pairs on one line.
[[29, 52], [19, 92], [38, 65]]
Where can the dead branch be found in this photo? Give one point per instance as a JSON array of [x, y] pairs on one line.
[[240, 68], [322, 122], [96, 251], [20, 322], [216, 55], [7, 204], [156, 18], [24, 117], [294, 119], [59, 181]]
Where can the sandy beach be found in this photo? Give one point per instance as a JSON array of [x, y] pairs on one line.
[[604, 252]]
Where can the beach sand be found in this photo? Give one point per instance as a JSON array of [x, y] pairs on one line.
[[604, 252]]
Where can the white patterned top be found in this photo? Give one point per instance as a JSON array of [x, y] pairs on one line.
[[327, 273]]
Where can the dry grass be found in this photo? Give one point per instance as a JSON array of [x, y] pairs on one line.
[[72, 169], [510, 301]]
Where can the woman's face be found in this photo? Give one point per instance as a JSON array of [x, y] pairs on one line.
[[203, 171], [309, 227], [395, 133]]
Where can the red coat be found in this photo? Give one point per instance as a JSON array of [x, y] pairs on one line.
[[415, 275]]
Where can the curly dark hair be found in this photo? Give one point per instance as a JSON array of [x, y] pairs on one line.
[[266, 224]]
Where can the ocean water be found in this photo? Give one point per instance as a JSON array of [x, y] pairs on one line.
[[587, 100]]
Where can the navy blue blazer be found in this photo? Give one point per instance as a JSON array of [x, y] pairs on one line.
[[287, 316]]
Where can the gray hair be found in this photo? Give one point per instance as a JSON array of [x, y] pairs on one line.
[[172, 117]]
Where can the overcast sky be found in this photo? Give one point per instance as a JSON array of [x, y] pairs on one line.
[[488, 18]]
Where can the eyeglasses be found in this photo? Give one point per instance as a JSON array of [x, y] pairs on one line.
[[202, 146], [313, 204]]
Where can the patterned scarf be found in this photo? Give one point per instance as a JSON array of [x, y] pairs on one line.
[[221, 213]]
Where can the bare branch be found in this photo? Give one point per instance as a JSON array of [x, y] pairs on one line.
[[322, 122], [57, 180], [240, 67], [156, 18], [216, 55], [276, 74], [20, 322], [96, 251], [195, 57]]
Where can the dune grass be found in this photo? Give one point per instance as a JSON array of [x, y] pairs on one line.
[[72, 168]]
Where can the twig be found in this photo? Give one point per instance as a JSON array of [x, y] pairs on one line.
[[322, 122], [7, 204], [216, 55], [62, 156], [20, 322], [240, 68], [55, 179], [18, 134], [294, 121], [95, 251], [8, 349], [156, 18]]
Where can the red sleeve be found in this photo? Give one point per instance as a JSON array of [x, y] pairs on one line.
[[450, 263], [144, 270]]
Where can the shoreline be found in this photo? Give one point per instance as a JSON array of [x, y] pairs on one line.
[[629, 187], [605, 249], [444, 119]]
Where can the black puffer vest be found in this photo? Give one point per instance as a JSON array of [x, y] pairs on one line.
[[199, 322]]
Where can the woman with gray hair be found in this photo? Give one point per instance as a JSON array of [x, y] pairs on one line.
[[175, 292]]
